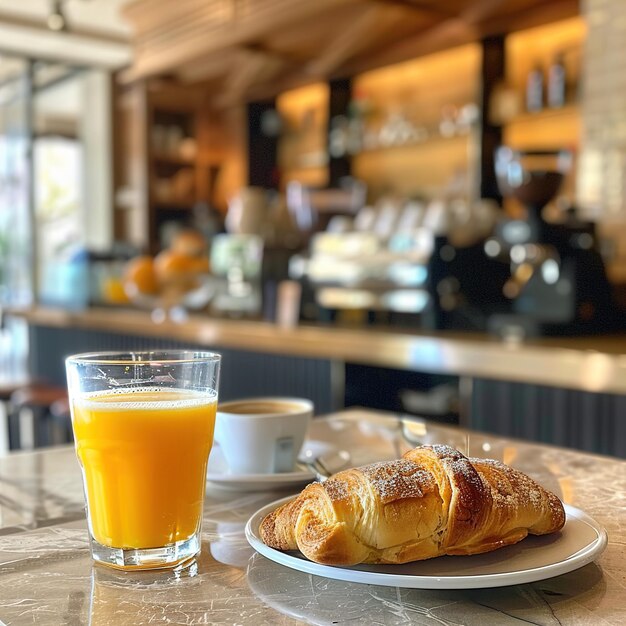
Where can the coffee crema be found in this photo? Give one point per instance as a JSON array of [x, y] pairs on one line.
[[261, 408]]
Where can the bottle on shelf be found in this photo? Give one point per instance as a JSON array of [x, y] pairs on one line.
[[359, 109], [557, 82], [534, 90]]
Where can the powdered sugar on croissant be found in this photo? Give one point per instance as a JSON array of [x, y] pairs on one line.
[[433, 501]]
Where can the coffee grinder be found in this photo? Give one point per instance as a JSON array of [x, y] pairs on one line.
[[558, 283]]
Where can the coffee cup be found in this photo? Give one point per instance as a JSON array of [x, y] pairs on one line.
[[262, 435]]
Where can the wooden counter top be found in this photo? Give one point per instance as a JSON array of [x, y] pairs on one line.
[[586, 363]]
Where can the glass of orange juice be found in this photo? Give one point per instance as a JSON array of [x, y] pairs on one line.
[[143, 427]]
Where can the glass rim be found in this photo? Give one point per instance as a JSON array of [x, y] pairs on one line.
[[144, 357]]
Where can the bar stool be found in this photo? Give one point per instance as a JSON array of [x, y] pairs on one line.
[[6, 391], [62, 420], [31, 404]]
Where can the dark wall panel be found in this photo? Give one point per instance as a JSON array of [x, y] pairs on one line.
[[244, 373], [594, 422], [587, 421]]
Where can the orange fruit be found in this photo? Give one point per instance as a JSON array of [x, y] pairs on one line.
[[201, 265], [113, 291], [189, 242], [174, 268], [140, 273], [170, 262]]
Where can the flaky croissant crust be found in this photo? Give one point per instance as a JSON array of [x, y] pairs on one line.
[[433, 501]]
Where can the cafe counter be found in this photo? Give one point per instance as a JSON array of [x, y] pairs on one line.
[[550, 382], [596, 364]]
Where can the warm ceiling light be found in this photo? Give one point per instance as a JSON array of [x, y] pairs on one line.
[[56, 17]]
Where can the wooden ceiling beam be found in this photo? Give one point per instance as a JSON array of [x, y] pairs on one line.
[[449, 32], [544, 13], [418, 7], [210, 67], [242, 54], [217, 64], [446, 34], [343, 48], [198, 38], [150, 15], [455, 32], [480, 10], [251, 69], [279, 84], [259, 48]]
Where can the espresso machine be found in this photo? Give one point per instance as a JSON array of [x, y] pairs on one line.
[[557, 283]]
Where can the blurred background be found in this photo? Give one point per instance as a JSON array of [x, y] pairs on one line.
[[383, 169]]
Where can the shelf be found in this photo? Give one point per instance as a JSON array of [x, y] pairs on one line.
[[544, 114], [415, 144], [549, 129]]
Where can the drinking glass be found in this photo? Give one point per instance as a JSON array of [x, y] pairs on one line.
[[143, 427]]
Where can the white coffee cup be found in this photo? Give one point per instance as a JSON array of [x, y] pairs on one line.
[[262, 435]]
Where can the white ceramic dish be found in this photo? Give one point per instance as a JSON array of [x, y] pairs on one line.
[[535, 558], [332, 457]]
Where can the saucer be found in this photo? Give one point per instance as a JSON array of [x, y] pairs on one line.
[[332, 457]]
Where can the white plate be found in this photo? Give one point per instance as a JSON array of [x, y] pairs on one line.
[[535, 558], [332, 457]]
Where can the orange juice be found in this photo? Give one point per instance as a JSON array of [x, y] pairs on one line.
[[144, 456]]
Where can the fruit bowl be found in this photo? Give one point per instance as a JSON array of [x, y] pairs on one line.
[[174, 301], [175, 281]]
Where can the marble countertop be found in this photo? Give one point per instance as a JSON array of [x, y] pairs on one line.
[[47, 576]]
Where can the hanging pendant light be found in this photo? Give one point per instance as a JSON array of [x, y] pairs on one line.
[[56, 18]]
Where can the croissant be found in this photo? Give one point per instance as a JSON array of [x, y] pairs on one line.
[[433, 501]]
